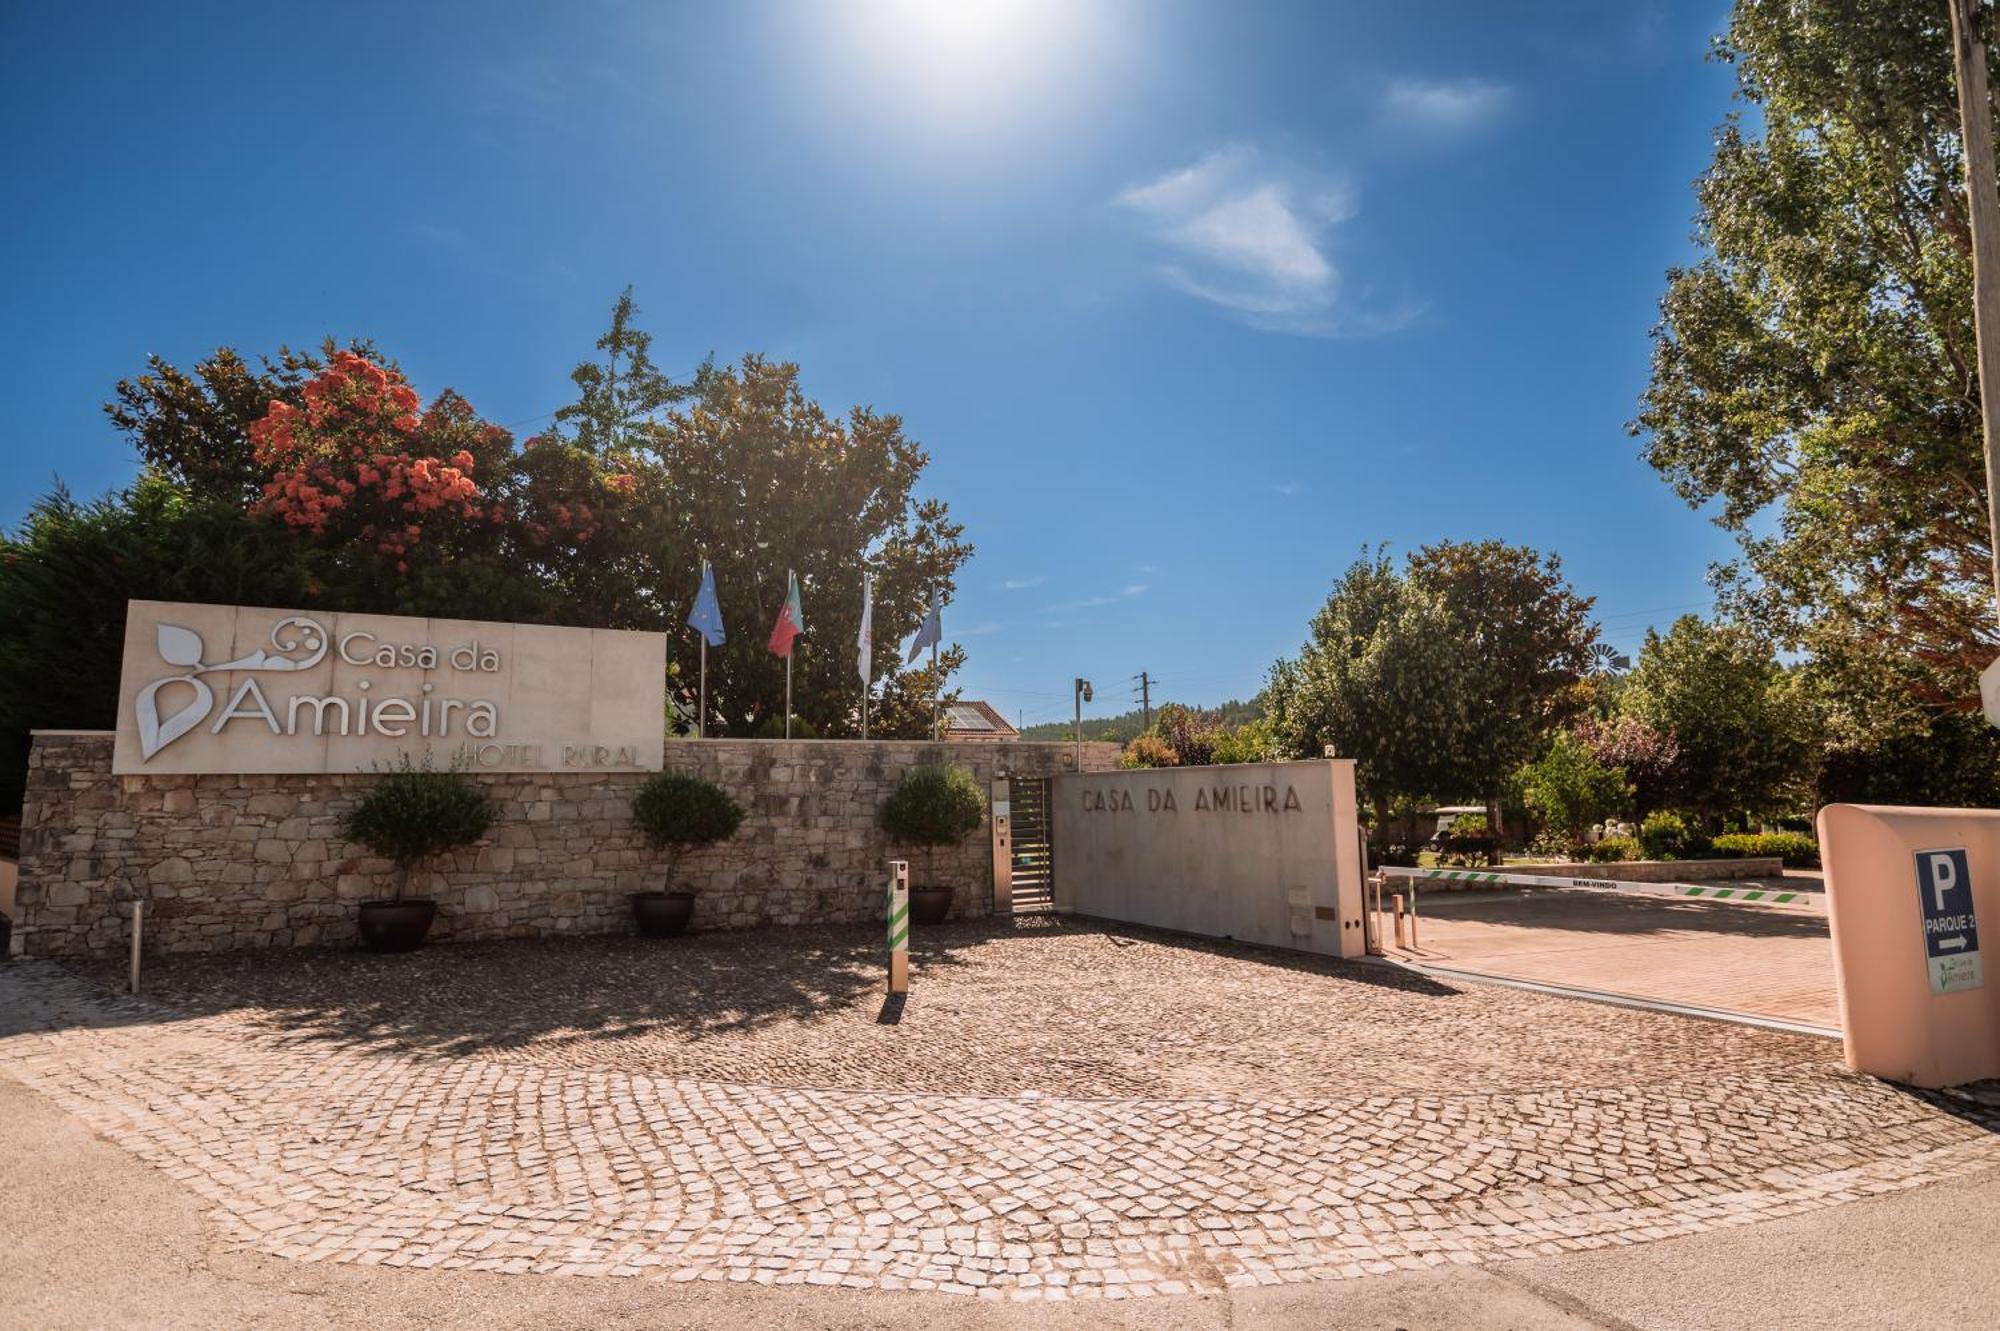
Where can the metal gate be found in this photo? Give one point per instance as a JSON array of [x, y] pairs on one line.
[[1033, 875]]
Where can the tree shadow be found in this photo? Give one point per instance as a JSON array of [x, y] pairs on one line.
[[1606, 913], [483, 997], [1357, 971]]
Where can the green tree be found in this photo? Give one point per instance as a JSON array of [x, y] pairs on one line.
[[1532, 637], [622, 402], [1569, 787], [760, 480], [68, 571], [1814, 371], [1745, 726], [1382, 679]]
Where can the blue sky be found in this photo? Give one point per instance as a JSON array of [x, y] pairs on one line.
[[1188, 302]]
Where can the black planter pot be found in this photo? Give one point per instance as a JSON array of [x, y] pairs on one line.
[[396, 926], [662, 914], [929, 905]]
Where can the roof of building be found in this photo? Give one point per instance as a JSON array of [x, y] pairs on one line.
[[971, 718]]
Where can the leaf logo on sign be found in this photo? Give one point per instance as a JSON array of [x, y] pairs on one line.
[[183, 647]]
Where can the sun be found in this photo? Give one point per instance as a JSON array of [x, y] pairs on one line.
[[957, 57]]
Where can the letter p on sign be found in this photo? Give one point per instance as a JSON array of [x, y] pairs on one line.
[[1944, 877]]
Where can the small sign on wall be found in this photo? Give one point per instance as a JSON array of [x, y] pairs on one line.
[[1951, 932]]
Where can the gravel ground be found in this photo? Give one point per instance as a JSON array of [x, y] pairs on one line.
[[1036, 1005]]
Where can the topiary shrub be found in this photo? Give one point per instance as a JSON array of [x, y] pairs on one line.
[[415, 812], [933, 806], [1614, 849], [1796, 849], [678, 812], [1668, 836]]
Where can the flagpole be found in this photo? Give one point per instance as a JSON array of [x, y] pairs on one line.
[[934, 691], [788, 695], [701, 720]]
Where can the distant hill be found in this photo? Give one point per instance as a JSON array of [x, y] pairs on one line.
[[1123, 727]]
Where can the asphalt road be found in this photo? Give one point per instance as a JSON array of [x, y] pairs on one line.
[[92, 1238]]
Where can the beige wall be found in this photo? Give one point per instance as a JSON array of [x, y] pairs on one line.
[[561, 699], [258, 860], [1260, 852]]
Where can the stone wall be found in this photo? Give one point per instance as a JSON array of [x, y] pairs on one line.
[[258, 861]]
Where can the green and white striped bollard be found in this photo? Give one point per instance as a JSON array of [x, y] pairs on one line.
[[899, 926]]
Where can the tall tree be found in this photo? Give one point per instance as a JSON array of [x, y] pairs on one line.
[[1515, 612], [1745, 726], [1814, 373], [761, 481], [1385, 681], [621, 400]]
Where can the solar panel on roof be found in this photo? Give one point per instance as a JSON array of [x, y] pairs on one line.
[[968, 718]]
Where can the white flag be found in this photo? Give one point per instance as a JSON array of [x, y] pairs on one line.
[[865, 645]]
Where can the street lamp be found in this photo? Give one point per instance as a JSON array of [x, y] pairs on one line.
[[1080, 694]]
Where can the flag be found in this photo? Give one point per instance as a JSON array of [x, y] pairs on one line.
[[932, 631], [706, 617], [791, 619], [864, 646]]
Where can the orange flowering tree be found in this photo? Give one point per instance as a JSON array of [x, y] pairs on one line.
[[384, 485]]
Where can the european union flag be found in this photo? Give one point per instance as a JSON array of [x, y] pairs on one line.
[[932, 631], [706, 617]]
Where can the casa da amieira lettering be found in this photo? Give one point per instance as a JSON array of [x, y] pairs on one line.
[[1207, 799], [238, 689]]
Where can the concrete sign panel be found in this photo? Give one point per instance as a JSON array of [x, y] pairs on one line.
[[1260, 852], [1951, 933], [209, 688]]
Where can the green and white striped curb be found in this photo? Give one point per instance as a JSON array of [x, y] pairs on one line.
[[1765, 896]]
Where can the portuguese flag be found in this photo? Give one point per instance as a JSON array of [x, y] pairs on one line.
[[791, 619]]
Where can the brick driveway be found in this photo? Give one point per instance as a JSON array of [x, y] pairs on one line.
[[1760, 960], [1100, 1114]]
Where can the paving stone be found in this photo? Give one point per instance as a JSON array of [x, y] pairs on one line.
[[1061, 1112]]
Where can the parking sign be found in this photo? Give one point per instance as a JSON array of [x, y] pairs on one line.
[[1951, 934]]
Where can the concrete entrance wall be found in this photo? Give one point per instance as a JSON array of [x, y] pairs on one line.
[[1260, 852]]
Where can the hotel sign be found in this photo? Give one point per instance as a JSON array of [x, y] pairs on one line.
[[209, 688]]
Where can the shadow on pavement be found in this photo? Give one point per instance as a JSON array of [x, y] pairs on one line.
[[1604, 912]]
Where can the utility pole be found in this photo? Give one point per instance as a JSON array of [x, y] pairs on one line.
[[1145, 698], [1975, 113]]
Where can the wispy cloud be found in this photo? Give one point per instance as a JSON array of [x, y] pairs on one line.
[[1288, 488], [977, 630], [438, 233], [1443, 106], [1126, 592], [1248, 233], [1017, 584]]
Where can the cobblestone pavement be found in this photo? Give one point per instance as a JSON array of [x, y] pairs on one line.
[[445, 1128]]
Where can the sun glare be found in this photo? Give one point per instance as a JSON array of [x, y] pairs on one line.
[[953, 57]]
